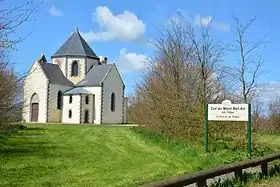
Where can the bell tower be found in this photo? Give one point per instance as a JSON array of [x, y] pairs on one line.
[[75, 57]]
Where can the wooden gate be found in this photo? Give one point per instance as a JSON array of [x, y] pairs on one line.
[[34, 112]]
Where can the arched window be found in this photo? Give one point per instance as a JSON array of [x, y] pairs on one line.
[[59, 100], [70, 114], [113, 102], [70, 98], [74, 68], [87, 99]]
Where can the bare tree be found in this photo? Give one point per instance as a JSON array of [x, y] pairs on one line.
[[11, 82], [250, 61], [208, 55], [274, 113], [179, 79], [257, 107]]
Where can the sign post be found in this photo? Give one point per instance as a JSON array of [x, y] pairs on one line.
[[226, 111], [206, 129], [249, 130]]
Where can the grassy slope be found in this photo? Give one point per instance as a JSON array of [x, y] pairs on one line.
[[274, 141], [71, 155], [272, 182]]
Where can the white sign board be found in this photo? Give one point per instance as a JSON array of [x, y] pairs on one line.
[[227, 112]]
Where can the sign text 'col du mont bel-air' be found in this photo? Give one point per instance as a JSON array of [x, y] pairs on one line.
[[226, 111]]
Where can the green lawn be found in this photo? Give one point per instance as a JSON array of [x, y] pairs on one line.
[[73, 155]]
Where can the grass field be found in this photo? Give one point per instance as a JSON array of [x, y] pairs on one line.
[[73, 155]]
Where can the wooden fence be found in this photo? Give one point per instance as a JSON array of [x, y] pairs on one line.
[[200, 177]]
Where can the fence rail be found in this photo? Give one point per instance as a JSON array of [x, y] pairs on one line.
[[200, 177]]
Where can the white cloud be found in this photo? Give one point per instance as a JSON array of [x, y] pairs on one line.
[[206, 20], [124, 27], [177, 18], [131, 62], [198, 21], [269, 91], [221, 26], [55, 11]]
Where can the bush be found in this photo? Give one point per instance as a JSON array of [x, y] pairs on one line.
[[13, 127]]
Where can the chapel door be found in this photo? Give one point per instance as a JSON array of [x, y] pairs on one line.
[[86, 116], [34, 112]]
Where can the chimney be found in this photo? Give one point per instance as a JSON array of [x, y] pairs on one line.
[[103, 60]]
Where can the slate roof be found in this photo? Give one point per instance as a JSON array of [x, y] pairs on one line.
[[95, 75], [78, 90], [54, 74], [75, 45]]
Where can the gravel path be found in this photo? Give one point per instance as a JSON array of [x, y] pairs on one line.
[[228, 176]]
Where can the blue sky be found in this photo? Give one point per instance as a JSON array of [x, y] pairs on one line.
[[122, 40]]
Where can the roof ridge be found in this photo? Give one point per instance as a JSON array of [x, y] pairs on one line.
[[75, 45], [95, 76], [80, 41], [108, 71], [54, 74], [51, 64], [70, 41], [85, 44]]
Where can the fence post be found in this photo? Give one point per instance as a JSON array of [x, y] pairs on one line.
[[238, 173], [264, 168], [201, 183]]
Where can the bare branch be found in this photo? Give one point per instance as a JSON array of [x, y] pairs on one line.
[[251, 61], [11, 83]]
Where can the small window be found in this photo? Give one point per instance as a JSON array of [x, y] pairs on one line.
[[59, 100], [70, 114], [70, 99], [87, 99], [113, 102]]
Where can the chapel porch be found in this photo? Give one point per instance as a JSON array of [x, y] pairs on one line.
[[80, 106]]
